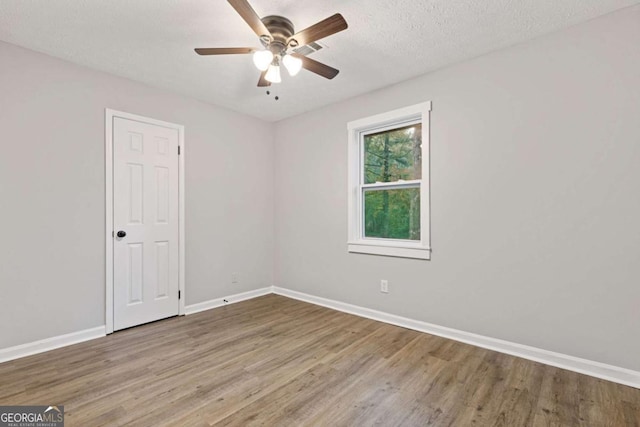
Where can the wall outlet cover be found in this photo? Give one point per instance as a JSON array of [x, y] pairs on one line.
[[384, 286]]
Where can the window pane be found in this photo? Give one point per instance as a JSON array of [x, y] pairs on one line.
[[392, 155], [392, 214]]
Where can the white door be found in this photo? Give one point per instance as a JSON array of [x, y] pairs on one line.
[[145, 221]]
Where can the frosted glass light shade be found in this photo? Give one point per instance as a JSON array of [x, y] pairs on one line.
[[292, 64], [273, 75], [262, 59]]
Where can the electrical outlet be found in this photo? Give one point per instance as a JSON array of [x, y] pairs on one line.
[[384, 286], [235, 278]]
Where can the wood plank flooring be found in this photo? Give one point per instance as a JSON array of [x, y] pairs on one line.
[[275, 361]]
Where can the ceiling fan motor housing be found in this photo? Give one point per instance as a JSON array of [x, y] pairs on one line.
[[281, 29]]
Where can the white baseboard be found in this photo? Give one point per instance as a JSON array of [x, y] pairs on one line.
[[219, 302], [47, 344], [588, 367], [52, 343], [571, 363]]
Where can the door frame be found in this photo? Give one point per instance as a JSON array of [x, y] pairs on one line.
[[110, 115]]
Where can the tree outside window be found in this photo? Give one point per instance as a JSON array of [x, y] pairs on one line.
[[393, 156]]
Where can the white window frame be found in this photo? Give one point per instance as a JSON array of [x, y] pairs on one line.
[[357, 242]]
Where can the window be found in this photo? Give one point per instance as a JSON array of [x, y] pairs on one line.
[[389, 183]]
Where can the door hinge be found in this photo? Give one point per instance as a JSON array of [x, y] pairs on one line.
[[178, 150], [179, 294]]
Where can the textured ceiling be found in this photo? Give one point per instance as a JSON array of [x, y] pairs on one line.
[[388, 41]]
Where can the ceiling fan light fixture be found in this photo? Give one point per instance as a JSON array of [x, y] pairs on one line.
[[262, 59], [277, 35], [292, 64], [273, 74]]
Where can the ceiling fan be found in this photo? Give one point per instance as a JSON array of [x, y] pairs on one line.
[[279, 39]]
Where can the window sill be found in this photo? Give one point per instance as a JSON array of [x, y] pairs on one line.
[[390, 249]]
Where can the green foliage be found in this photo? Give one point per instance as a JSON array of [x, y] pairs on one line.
[[388, 157], [401, 220], [393, 155]]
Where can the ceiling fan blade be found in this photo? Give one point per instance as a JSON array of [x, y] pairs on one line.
[[250, 16], [262, 82], [224, 50], [331, 25], [317, 67]]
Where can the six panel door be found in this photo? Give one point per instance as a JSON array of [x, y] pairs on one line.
[[145, 220]]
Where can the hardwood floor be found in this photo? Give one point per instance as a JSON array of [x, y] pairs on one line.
[[277, 361]]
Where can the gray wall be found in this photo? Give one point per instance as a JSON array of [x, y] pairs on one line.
[[535, 154], [52, 256]]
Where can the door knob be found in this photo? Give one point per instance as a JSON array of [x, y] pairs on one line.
[[121, 234]]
